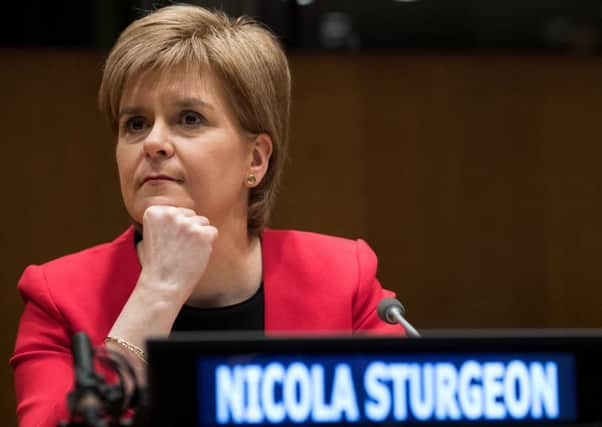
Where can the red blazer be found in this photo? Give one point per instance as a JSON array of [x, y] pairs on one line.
[[312, 283]]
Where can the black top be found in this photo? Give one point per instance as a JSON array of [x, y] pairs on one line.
[[244, 316]]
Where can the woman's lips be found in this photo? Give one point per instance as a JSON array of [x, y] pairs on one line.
[[158, 179]]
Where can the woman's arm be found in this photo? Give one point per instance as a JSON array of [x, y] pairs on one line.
[[42, 363], [369, 294], [173, 253], [176, 248]]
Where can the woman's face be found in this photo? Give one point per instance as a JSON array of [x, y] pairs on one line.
[[179, 145]]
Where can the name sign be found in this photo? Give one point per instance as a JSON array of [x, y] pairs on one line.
[[360, 389]]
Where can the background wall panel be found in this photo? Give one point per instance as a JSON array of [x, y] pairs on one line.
[[476, 179]]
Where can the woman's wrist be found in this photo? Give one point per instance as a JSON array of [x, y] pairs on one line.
[[138, 364], [132, 348], [148, 312], [162, 292]]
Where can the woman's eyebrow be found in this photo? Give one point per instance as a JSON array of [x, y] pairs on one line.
[[180, 103], [129, 111], [193, 102]]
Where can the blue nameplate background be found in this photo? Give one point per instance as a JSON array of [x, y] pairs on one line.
[[360, 389]]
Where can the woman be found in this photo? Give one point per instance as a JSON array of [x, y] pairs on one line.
[[200, 107]]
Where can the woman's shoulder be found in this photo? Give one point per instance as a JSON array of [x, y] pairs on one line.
[[106, 271], [97, 253], [84, 290], [313, 273], [305, 238], [293, 243], [88, 267]]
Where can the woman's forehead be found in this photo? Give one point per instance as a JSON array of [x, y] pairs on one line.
[[172, 82]]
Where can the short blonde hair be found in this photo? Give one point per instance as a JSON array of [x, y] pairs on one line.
[[244, 56]]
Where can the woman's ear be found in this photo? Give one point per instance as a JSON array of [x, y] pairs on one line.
[[260, 159]]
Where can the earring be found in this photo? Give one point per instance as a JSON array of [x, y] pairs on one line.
[[251, 180]]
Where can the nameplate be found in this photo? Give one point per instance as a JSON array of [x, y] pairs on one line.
[[372, 388]]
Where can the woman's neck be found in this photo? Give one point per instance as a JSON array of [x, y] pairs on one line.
[[234, 272]]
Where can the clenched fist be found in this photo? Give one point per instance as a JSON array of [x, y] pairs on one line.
[[175, 250]]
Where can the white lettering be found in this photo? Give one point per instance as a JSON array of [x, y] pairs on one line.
[[254, 414], [343, 400], [422, 396], [301, 393], [544, 386], [298, 405], [399, 375], [273, 374], [378, 404], [321, 411], [517, 393], [493, 390], [229, 390], [470, 391], [446, 386]]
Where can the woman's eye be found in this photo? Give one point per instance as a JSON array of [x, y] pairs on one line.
[[135, 124], [190, 118]]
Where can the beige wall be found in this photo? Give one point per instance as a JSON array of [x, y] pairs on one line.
[[475, 178]]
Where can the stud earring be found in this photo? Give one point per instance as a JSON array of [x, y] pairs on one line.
[[251, 180]]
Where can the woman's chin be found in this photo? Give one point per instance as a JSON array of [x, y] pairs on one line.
[[137, 211], [164, 201]]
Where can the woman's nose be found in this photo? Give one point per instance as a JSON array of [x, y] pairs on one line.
[[158, 141]]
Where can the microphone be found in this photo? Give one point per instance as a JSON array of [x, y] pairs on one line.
[[392, 311], [84, 400], [94, 402]]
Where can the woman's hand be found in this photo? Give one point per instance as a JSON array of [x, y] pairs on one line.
[[175, 250], [174, 253]]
